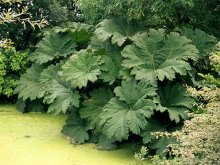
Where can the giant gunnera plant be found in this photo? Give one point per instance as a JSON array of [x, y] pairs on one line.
[[116, 82]]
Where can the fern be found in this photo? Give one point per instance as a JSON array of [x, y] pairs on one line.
[[155, 55]]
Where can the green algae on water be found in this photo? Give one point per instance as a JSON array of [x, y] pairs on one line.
[[35, 139]]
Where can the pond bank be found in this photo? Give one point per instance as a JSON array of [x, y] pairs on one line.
[[35, 139]]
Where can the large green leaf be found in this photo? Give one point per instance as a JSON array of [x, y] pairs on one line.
[[128, 111], [111, 66], [119, 30], [81, 68], [131, 91], [174, 99], [93, 106], [53, 46], [58, 93], [29, 85], [155, 55], [79, 32], [76, 128], [203, 41]]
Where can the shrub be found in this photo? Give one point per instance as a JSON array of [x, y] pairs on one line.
[[12, 64]]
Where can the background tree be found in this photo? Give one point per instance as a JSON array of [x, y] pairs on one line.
[[203, 14]]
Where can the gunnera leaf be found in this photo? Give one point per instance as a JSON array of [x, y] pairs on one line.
[[58, 93], [111, 66], [128, 111], [157, 55], [174, 99], [94, 105], [79, 32], [76, 128], [203, 41], [119, 30], [29, 85], [53, 46], [82, 67]]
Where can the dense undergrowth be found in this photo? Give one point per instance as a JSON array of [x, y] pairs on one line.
[[121, 79], [199, 138]]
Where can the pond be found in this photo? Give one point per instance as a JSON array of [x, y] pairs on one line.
[[35, 139]]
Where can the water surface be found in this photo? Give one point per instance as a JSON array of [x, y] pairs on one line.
[[35, 139]]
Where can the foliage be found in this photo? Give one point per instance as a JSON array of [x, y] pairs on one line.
[[43, 80], [128, 111], [18, 24], [81, 68], [55, 11], [113, 85], [215, 63], [23, 20], [194, 147], [199, 138], [119, 30], [136, 10], [155, 55], [140, 156], [10, 15], [202, 14], [54, 46], [12, 64]]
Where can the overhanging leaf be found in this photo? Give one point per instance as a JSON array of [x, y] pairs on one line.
[[79, 32], [131, 91], [105, 143], [76, 128]]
